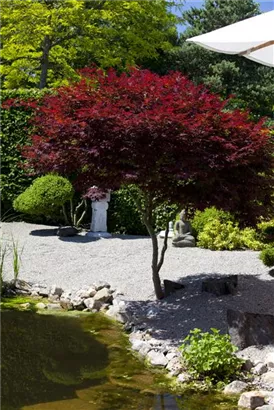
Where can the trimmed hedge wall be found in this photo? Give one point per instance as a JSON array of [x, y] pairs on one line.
[[15, 131]]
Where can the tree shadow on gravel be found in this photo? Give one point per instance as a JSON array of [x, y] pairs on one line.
[[85, 239], [173, 317]]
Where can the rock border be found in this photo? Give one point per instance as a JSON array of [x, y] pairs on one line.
[[102, 298]]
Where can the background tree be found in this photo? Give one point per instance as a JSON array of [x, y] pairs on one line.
[[174, 140], [44, 41], [252, 83]]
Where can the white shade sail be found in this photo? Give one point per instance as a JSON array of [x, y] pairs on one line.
[[252, 38]]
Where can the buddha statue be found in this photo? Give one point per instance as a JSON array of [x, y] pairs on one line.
[[183, 233]]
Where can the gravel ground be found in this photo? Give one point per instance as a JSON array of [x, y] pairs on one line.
[[124, 262]]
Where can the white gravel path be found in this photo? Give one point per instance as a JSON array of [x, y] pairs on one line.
[[124, 262]]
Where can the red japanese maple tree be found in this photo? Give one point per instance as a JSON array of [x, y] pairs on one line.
[[171, 138]]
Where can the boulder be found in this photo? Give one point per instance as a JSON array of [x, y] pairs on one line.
[[118, 314], [265, 407], [65, 231], [250, 329], [221, 286], [251, 400], [54, 306], [66, 303], [40, 305], [184, 377], [157, 359], [269, 361], [171, 287], [259, 369], [235, 387], [103, 295], [56, 290], [268, 378]]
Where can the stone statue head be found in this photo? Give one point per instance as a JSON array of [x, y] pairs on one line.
[[183, 215]]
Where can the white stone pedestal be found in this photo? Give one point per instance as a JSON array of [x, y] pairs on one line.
[[170, 231], [98, 226]]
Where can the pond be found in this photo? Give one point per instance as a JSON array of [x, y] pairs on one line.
[[82, 362]]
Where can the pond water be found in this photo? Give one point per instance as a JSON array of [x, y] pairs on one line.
[[82, 362]]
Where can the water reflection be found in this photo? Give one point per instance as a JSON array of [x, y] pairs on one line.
[[64, 362]]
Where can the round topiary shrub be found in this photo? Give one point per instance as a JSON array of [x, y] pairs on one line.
[[45, 196], [267, 256]]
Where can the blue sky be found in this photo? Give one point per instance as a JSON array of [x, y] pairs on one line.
[[265, 5]]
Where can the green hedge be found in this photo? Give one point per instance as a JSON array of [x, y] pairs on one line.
[[15, 131]]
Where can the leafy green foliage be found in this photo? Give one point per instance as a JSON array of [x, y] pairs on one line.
[[123, 215], [266, 230], [201, 218], [219, 236], [251, 239], [210, 355], [46, 195], [249, 82], [267, 256], [15, 131], [44, 42], [228, 236]]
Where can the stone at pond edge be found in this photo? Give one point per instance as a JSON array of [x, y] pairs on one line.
[[103, 295], [245, 328], [235, 387], [54, 306], [41, 305], [171, 287], [259, 369], [221, 286], [251, 400], [268, 378], [55, 291], [157, 359], [65, 231]]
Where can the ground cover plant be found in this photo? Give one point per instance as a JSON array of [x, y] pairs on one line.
[[210, 355], [196, 153]]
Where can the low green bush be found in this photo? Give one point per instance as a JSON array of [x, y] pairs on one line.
[[221, 233], [267, 256], [202, 218], [219, 236], [210, 355], [251, 240], [45, 196], [266, 231]]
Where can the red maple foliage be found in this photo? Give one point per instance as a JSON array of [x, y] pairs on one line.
[[173, 139]]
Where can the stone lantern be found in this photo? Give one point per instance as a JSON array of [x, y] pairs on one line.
[[98, 226]]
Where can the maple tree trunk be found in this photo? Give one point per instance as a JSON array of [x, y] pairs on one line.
[[156, 264], [45, 62]]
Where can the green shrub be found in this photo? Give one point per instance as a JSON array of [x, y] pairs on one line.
[[210, 355], [266, 231], [45, 196], [220, 236], [250, 239], [15, 131], [124, 217], [201, 218], [267, 256]]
